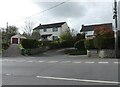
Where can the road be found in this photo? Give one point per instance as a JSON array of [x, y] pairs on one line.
[[59, 70]]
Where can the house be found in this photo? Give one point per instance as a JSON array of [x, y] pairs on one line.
[[51, 31], [17, 38], [89, 29]]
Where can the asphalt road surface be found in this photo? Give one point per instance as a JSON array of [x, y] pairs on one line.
[[59, 70]]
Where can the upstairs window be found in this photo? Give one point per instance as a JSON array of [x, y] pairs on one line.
[[55, 29], [44, 30]]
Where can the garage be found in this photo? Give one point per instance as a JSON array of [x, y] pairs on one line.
[[16, 38]]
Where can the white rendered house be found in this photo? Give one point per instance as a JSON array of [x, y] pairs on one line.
[[52, 31]]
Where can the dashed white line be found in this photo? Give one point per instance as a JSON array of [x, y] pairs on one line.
[[90, 62], [40, 61], [52, 61], [103, 62], [80, 80], [116, 62], [30, 61], [65, 61], [77, 62]]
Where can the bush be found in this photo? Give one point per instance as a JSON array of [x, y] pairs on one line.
[[89, 44], [80, 45], [66, 43], [5, 45], [55, 44], [104, 43], [29, 43]]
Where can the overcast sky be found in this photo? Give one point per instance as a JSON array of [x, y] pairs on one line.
[[74, 12]]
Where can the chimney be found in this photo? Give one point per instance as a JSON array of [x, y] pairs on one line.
[[82, 25], [40, 24]]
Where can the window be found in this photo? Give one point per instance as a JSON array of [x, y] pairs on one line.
[[55, 37], [44, 30], [55, 29]]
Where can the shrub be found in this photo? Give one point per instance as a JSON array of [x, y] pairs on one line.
[[89, 44], [29, 43], [104, 43], [5, 45], [55, 44], [80, 45], [66, 43]]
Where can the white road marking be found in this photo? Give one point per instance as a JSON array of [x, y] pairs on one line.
[[77, 62], [116, 62], [40, 61], [80, 80], [30, 61], [103, 62], [73, 56], [90, 62], [8, 74], [52, 61], [65, 61]]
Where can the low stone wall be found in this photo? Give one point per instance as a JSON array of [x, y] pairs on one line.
[[107, 53], [92, 53]]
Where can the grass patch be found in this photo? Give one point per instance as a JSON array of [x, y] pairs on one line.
[[75, 52]]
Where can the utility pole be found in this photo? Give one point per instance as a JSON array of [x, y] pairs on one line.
[[116, 30], [7, 27]]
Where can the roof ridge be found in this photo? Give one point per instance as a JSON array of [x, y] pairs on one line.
[[98, 24]]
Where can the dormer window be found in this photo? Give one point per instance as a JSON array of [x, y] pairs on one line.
[[55, 29]]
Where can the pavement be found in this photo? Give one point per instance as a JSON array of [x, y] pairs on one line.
[[55, 68]]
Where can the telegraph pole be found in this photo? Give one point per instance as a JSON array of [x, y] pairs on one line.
[[116, 30], [7, 27]]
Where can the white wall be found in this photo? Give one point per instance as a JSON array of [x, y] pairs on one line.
[[50, 31], [65, 28]]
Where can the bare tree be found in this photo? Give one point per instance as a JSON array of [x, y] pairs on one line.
[[28, 27]]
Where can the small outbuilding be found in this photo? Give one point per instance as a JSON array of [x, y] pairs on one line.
[[17, 38]]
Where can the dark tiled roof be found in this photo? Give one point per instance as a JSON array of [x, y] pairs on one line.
[[49, 25], [92, 27]]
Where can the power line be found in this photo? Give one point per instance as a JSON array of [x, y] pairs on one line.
[[45, 10]]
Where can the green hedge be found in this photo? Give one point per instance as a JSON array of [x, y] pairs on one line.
[[5, 45], [29, 43], [80, 45], [100, 43], [89, 44], [104, 43]]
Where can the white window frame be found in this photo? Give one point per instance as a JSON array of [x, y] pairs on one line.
[[55, 29]]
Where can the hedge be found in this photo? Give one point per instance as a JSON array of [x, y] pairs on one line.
[[89, 44], [104, 43], [80, 45], [29, 43]]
